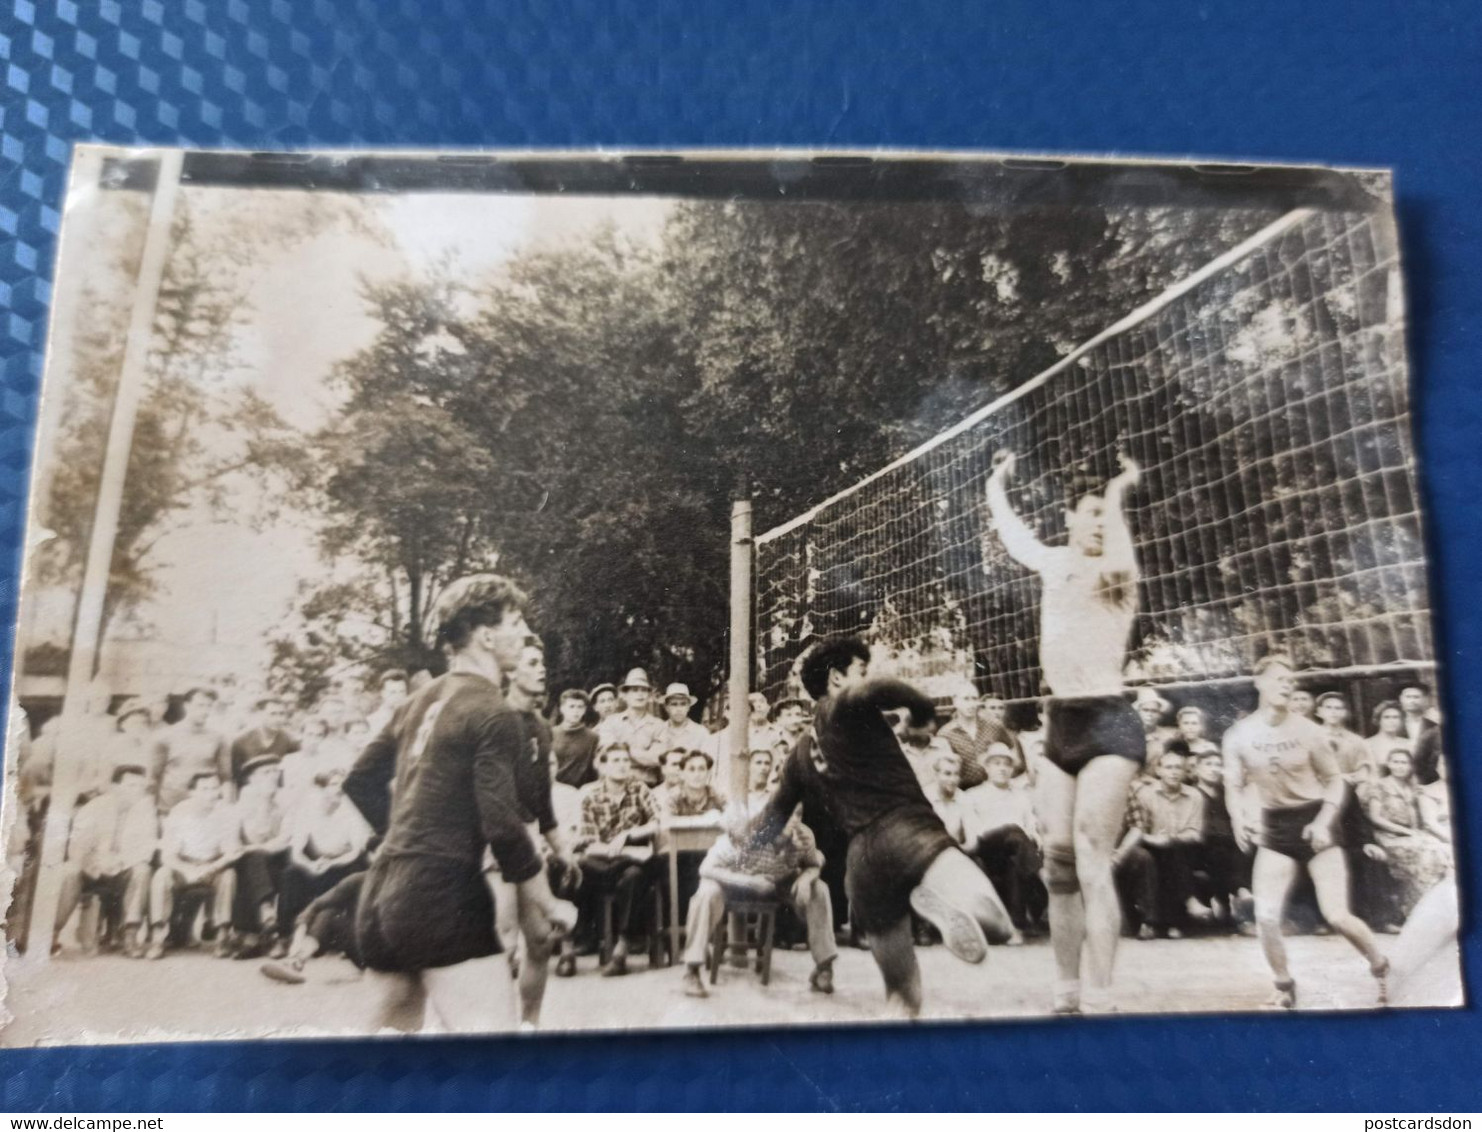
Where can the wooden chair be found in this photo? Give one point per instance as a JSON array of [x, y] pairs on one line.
[[749, 926]]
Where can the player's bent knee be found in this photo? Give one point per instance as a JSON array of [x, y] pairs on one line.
[[1061, 877]]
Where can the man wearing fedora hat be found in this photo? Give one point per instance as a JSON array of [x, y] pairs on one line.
[[605, 701], [678, 729], [638, 728]]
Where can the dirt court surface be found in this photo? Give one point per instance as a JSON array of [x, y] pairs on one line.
[[76, 999]]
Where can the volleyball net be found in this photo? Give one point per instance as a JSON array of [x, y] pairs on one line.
[[1265, 396]]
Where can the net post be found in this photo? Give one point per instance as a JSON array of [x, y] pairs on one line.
[[739, 684], [67, 769]]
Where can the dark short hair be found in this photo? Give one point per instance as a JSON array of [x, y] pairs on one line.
[[833, 655], [482, 601], [1179, 747], [1171, 755], [619, 745], [123, 771], [1423, 688], [691, 755], [211, 774], [576, 694], [1326, 696], [392, 674], [266, 701], [199, 690], [683, 752]]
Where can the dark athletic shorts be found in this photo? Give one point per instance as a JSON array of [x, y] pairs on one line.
[[418, 913], [1281, 830], [331, 918], [1079, 728], [887, 859]]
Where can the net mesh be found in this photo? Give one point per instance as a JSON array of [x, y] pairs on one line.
[[1266, 400]]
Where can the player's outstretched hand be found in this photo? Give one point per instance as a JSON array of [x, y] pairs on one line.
[[1131, 473], [1003, 463]]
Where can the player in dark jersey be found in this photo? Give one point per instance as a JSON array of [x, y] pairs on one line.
[[440, 782], [851, 769]]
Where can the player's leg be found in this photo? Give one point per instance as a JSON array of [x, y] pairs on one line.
[[401, 1002], [1271, 880], [540, 943], [1054, 806], [1100, 808], [1429, 933], [473, 997], [895, 954], [959, 900], [1329, 873]]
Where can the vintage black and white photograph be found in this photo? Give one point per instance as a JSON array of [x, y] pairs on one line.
[[488, 593]]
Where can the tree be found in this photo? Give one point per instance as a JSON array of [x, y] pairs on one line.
[[590, 415]]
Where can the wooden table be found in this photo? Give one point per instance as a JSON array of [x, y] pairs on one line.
[[676, 836]]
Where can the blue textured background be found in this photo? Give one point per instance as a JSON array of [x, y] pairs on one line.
[[1338, 81]]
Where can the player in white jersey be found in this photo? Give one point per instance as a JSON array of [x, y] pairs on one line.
[[1286, 758], [1094, 741]]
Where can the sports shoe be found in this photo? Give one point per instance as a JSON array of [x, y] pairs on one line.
[[616, 967], [290, 972], [156, 948], [822, 978], [566, 966], [692, 984], [1381, 977], [1067, 998], [1286, 994], [961, 933]]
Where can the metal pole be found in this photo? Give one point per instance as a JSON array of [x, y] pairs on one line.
[[72, 727], [739, 685]]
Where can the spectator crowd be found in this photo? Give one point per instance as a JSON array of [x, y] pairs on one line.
[[235, 835]]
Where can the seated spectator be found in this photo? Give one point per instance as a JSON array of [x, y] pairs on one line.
[[1000, 833], [573, 743], [786, 869], [669, 767], [1352, 753], [261, 832], [1152, 709], [327, 839], [1388, 735], [268, 737], [1418, 858], [618, 819], [109, 853], [1372, 892], [197, 850], [1153, 863], [695, 796], [1218, 856]]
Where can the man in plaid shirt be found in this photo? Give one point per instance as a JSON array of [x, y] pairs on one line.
[[618, 821]]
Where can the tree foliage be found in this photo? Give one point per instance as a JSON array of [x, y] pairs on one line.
[[587, 418]]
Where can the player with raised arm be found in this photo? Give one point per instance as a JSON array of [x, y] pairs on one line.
[[1094, 742], [1296, 776], [900, 858], [441, 782]]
